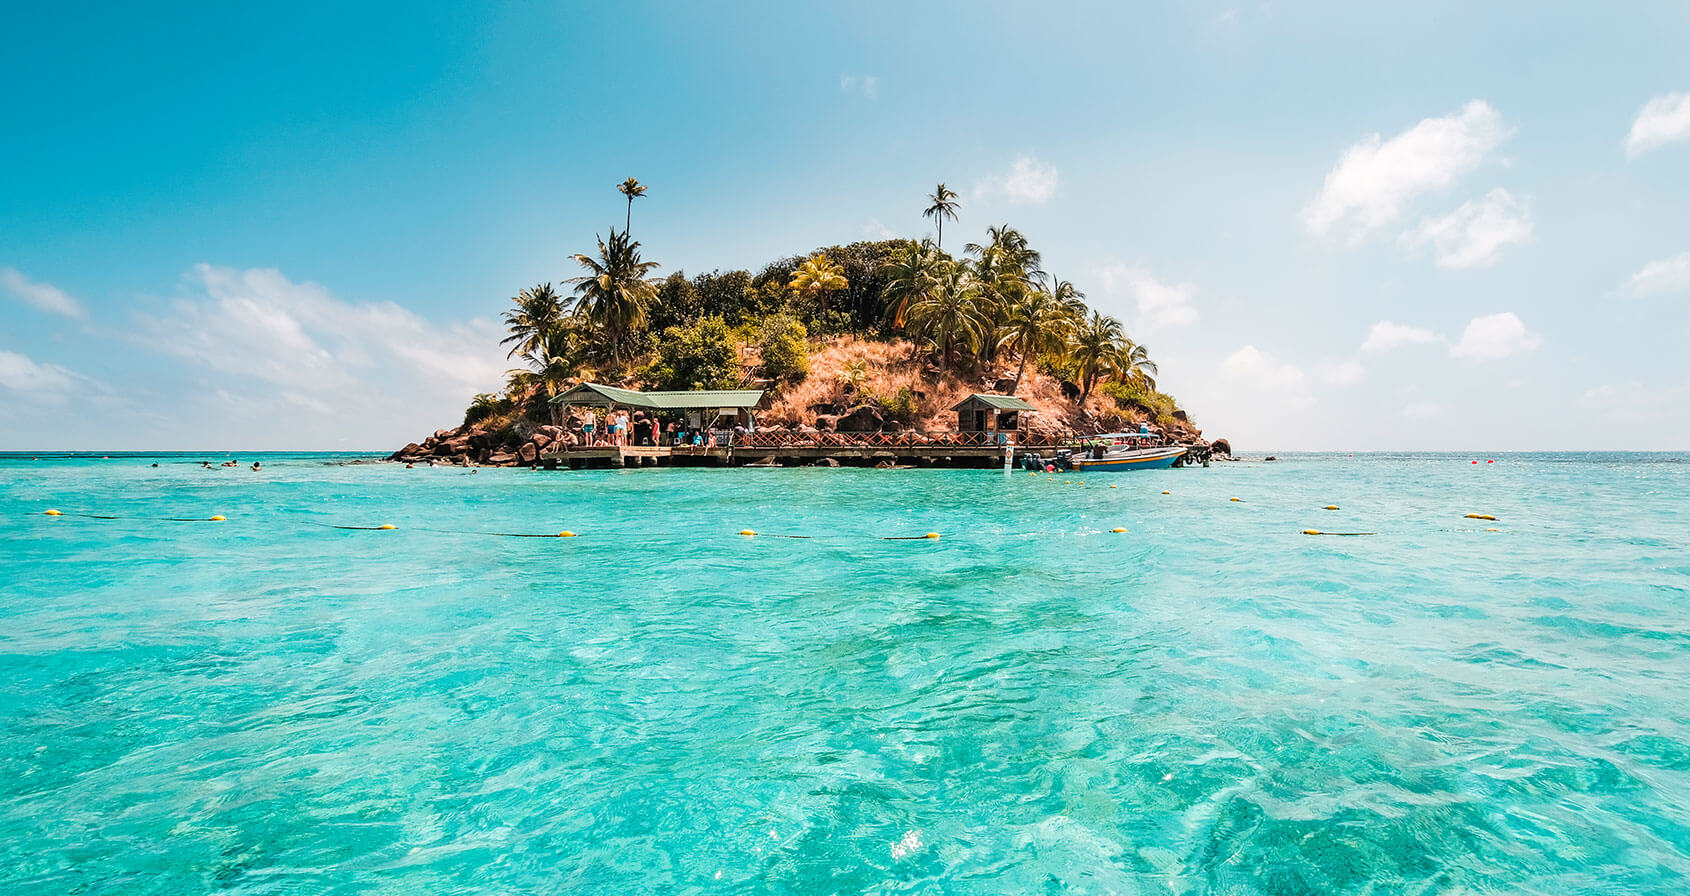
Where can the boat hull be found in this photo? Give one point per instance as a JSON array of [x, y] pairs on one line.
[[1153, 459]]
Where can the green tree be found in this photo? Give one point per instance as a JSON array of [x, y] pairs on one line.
[[817, 277], [701, 356], [949, 316], [1135, 364], [911, 276], [784, 347], [632, 189], [941, 205], [1096, 351], [615, 293], [1040, 323], [538, 312], [549, 371]]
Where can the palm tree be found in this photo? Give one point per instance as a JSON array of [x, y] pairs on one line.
[[817, 277], [1006, 267], [538, 312], [945, 204], [1097, 350], [1040, 323], [632, 189], [615, 292], [550, 367], [1135, 363], [949, 316], [910, 277]]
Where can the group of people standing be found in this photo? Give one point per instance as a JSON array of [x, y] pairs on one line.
[[616, 427]]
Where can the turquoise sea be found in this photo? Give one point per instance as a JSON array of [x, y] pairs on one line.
[[1209, 702]]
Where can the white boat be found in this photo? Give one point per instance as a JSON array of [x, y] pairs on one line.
[[1125, 451]]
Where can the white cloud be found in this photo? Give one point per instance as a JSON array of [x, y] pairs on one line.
[[320, 351], [1664, 119], [1257, 370], [21, 374], [1376, 179], [861, 85], [45, 296], [1387, 335], [1028, 182], [1474, 235], [1344, 373], [1635, 403], [1495, 336], [1665, 275], [875, 230], [1159, 304]]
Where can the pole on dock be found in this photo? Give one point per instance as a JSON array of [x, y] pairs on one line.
[[1008, 459]]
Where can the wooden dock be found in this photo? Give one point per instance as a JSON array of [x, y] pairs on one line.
[[963, 456]]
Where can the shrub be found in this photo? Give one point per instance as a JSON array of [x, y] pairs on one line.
[[704, 355], [785, 348]]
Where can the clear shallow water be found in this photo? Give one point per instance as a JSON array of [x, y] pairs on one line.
[[1208, 703]]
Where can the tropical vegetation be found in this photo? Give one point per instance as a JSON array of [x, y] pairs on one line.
[[965, 316]]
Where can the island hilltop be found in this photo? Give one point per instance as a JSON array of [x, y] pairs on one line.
[[872, 337]]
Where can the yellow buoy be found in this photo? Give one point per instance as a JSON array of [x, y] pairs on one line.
[[1239, 500], [1330, 507], [1167, 493], [216, 519], [931, 535], [746, 532], [1493, 530], [566, 534], [1114, 486], [1117, 528], [54, 513], [1480, 516], [1311, 531], [387, 526]]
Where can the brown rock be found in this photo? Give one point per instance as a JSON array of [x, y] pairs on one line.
[[861, 419], [442, 434], [501, 458], [528, 453], [1221, 446], [827, 422], [540, 440]]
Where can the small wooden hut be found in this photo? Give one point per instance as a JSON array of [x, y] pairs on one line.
[[1002, 416]]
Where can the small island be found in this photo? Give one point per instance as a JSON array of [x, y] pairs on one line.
[[883, 343]]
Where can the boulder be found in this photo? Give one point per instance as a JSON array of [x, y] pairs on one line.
[[1221, 446], [826, 462], [827, 422], [409, 451], [528, 453], [442, 434], [862, 418], [501, 458], [540, 440]]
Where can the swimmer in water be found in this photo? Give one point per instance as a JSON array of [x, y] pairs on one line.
[[255, 466]]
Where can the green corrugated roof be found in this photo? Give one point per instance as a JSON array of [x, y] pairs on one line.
[[998, 402], [662, 401]]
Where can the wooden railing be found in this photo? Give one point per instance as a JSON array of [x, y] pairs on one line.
[[787, 438]]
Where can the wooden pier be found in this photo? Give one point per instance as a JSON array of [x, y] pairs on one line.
[[956, 456]]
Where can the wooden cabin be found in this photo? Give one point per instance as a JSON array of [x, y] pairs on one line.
[[1003, 416]]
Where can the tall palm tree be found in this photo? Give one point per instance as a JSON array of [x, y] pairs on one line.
[[1040, 323], [910, 277], [615, 292], [632, 189], [1006, 267], [944, 205], [537, 313], [817, 277], [949, 317], [1097, 350]]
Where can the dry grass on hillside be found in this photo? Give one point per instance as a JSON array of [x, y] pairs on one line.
[[892, 366]]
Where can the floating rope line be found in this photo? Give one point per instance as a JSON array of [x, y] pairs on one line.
[[144, 519]]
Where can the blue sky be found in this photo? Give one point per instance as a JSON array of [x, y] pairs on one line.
[[1337, 226]]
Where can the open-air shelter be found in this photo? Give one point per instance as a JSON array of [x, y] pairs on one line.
[[705, 408]]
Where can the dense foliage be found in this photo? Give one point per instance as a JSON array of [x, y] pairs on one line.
[[724, 329]]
